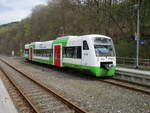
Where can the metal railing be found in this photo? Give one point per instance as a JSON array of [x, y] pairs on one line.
[[132, 61]]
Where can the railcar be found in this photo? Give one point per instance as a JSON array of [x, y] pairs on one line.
[[94, 53]]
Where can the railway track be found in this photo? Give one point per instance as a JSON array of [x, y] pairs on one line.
[[20, 102], [130, 85], [40, 97], [137, 87]]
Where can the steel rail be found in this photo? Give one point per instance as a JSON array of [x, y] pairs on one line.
[[55, 93], [125, 86], [133, 83], [19, 89]]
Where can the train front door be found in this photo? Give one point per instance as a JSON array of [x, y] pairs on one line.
[[57, 55], [30, 53]]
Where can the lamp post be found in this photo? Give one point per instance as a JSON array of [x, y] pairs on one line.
[[137, 7]]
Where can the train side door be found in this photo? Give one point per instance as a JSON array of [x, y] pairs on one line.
[[85, 53], [30, 53], [57, 55]]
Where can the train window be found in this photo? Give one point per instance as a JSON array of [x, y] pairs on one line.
[[102, 41], [104, 50], [51, 53], [79, 52], [85, 45], [26, 51], [63, 51], [72, 52], [42, 52]]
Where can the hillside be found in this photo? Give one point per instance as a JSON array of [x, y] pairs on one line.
[[114, 18]]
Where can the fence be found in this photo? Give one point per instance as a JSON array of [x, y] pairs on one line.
[[132, 61]]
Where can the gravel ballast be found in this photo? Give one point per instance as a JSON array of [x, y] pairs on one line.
[[96, 96]]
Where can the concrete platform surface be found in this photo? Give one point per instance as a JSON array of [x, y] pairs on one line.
[[6, 104], [142, 72]]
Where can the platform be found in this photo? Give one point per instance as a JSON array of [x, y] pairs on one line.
[[136, 71], [6, 104]]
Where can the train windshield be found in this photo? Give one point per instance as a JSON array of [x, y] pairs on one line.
[[103, 47]]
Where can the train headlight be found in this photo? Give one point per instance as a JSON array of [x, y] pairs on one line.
[[110, 65]]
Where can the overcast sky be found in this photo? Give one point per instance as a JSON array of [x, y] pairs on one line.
[[15, 10]]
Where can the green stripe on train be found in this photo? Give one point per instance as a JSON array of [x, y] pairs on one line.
[[50, 61], [61, 41], [32, 45], [26, 57], [97, 71], [41, 61]]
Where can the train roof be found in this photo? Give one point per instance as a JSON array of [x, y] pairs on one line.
[[95, 35], [80, 37], [64, 37]]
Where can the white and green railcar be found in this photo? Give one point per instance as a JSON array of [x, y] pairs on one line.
[[93, 53]]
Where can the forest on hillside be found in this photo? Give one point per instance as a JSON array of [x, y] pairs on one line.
[[114, 18]]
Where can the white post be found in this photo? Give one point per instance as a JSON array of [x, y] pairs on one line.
[[12, 53]]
